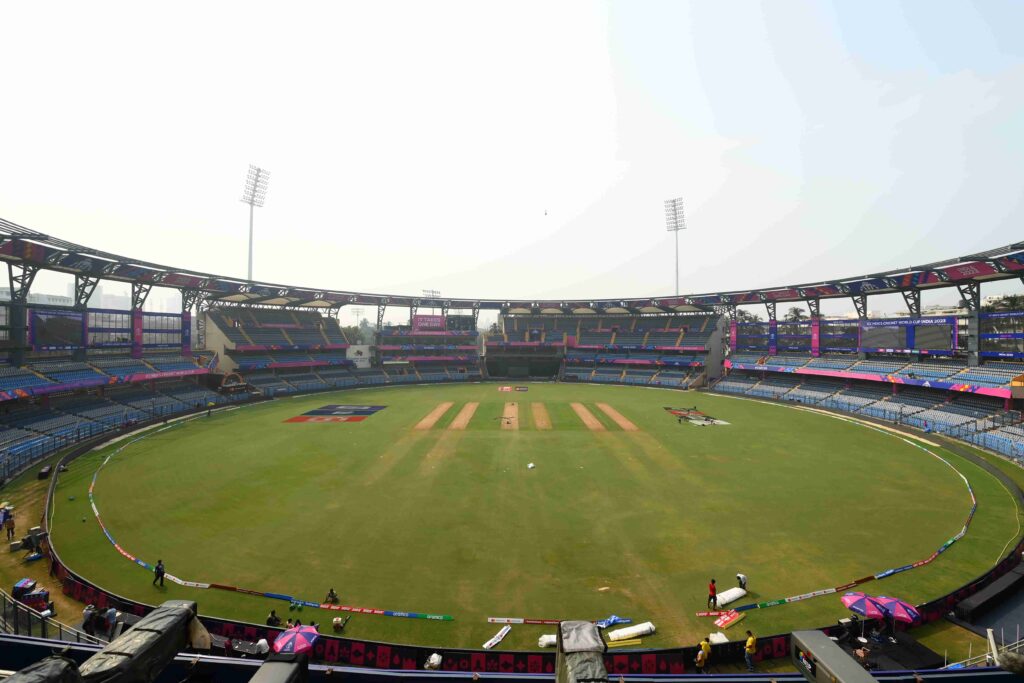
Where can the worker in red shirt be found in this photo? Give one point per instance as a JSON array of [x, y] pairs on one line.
[[712, 595]]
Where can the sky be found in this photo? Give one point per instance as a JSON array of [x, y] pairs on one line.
[[519, 149]]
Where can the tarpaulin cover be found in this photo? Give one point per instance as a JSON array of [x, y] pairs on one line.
[[580, 653], [581, 636], [143, 651], [50, 670]]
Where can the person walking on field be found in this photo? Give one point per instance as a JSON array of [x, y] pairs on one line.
[[749, 649], [712, 595], [158, 573], [9, 525]]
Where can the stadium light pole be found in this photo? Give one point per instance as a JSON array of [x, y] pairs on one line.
[[254, 194], [675, 220], [432, 294]]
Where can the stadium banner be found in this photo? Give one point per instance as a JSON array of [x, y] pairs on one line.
[[1001, 392], [137, 333], [147, 376], [427, 333], [186, 333], [773, 337], [291, 347], [659, 363], [424, 347], [1002, 314], [815, 337], [732, 333], [393, 332], [503, 344], [1000, 354], [55, 330], [427, 359], [908, 322], [428, 322], [25, 392], [301, 364], [359, 354]]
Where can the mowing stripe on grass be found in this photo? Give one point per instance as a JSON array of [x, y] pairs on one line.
[[218, 586], [461, 420], [510, 416], [592, 423], [618, 418], [541, 419], [434, 415]]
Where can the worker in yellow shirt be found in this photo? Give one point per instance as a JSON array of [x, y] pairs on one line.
[[749, 649], [705, 647]]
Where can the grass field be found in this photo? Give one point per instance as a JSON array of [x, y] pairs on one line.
[[406, 511]]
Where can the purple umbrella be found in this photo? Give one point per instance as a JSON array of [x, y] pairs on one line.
[[299, 639], [864, 605], [898, 609]]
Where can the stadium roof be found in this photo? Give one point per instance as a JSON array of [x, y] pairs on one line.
[[30, 251]]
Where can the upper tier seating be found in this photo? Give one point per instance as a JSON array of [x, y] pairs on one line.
[[879, 366], [66, 371], [120, 366], [663, 338], [275, 327], [591, 338], [170, 362], [832, 362], [18, 378]]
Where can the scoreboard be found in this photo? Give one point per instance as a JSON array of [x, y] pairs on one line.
[[936, 336]]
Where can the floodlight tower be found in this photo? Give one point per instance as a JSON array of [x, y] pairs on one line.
[[431, 294], [675, 220], [254, 194]]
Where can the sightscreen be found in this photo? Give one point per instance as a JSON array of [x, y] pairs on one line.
[[884, 338], [55, 329], [933, 337]]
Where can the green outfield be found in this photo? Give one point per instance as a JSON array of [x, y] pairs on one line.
[[430, 507]]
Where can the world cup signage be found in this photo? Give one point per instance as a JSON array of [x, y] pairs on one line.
[[428, 323]]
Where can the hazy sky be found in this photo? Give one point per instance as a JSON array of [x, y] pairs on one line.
[[519, 149]]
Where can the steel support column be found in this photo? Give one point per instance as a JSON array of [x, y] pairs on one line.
[[140, 292], [84, 288], [970, 294], [814, 306], [860, 303], [190, 298], [912, 297], [20, 276]]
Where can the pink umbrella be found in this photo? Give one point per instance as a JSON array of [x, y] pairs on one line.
[[898, 609], [299, 639], [864, 605]]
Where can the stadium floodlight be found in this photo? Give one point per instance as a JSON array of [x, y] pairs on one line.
[[254, 194], [675, 220], [431, 294]]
